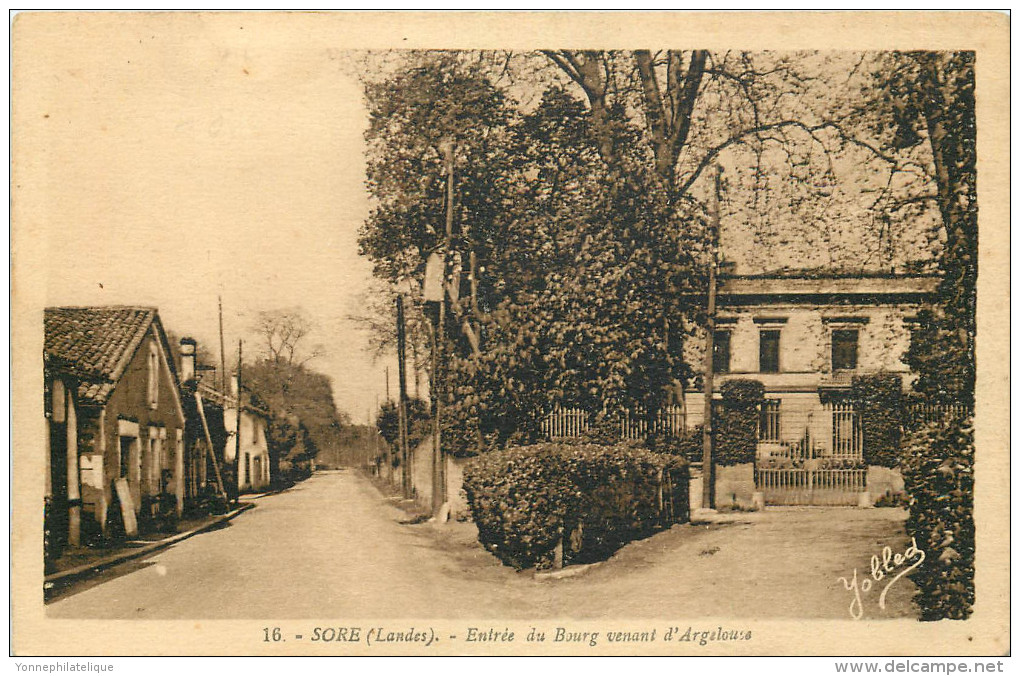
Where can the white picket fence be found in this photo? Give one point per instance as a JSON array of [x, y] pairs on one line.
[[570, 423], [810, 486], [919, 414], [847, 435]]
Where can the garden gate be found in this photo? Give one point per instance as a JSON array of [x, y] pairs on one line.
[[806, 472]]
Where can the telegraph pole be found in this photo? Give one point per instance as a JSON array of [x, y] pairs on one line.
[[223, 350], [237, 437], [707, 465], [439, 336], [405, 452]]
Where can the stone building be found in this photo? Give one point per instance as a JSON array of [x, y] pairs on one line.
[[805, 338]]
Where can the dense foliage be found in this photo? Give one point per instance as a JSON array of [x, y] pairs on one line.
[[878, 399], [526, 500], [943, 106], [927, 100], [419, 425], [302, 414], [736, 422], [922, 106], [938, 472], [577, 261], [690, 446]]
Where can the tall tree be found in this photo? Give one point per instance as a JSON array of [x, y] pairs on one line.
[[799, 169], [943, 353], [926, 100], [284, 335], [578, 262], [303, 417]]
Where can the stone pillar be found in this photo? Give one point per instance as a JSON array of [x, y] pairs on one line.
[[734, 485]]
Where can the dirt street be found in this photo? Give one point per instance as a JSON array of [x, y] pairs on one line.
[[333, 547]]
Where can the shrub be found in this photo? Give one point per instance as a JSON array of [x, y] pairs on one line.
[[938, 473], [526, 500], [419, 425], [879, 400], [690, 446], [736, 423]]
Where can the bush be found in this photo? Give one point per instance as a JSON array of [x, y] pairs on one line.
[[736, 423], [691, 446], [879, 400], [526, 500], [419, 425], [938, 473]]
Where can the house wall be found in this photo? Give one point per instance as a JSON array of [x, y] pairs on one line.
[[804, 357], [129, 402], [63, 485], [254, 449], [805, 342]]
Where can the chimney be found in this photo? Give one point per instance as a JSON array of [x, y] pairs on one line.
[[188, 347]]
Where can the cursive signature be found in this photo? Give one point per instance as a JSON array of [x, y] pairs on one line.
[[881, 568]]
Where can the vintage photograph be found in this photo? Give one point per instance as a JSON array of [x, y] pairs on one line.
[[523, 348]]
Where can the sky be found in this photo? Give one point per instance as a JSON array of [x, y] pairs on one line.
[[181, 161], [175, 159]]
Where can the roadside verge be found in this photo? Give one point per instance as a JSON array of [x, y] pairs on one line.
[[94, 567]]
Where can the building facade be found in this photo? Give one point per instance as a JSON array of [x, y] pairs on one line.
[[212, 424], [114, 394], [252, 465], [805, 338]]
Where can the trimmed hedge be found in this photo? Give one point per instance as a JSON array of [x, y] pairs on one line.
[[594, 498], [690, 446], [879, 399], [938, 473], [736, 423]]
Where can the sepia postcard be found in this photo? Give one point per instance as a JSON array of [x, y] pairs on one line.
[[510, 333]]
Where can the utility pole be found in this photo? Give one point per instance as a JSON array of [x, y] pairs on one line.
[[405, 452], [439, 338], [388, 372], [707, 465], [223, 351], [237, 437]]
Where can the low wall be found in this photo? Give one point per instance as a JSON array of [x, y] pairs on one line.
[[734, 485], [421, 473], [421, 479], [883, 482]]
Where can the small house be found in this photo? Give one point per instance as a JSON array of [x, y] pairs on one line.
[[213, 423], [115, 420], [246, 451]]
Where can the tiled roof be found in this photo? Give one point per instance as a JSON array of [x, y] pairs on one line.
[[95, 343]]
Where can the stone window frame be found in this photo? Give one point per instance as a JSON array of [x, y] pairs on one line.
[[771, 324], [843, 323]]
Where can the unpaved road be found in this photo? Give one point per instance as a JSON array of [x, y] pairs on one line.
[[333, 547]]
